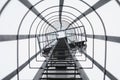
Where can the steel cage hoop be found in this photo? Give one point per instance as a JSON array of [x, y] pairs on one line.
[[52, 7], [85, 30], [85, 60], [76, 23], [58, 6], [84, 27], [63, 18], [100, 20], [30, 31], [105, 33], [64, 5], [57, 20], [21, 24], [47, 27], [4, 6], [81, 21], [29, 41], [91, 28], [57, 15], [29, 37], [49, 13], [18, 31], [38, 24], [43, 23], [37, 27]]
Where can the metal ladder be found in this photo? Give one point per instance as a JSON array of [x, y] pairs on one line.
[[62, 68]]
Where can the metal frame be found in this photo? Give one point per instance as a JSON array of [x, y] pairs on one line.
[[31, 7], [40, 71], [91, 9], [61, 3]]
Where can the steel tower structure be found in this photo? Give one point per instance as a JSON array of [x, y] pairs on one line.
[[58, 37]]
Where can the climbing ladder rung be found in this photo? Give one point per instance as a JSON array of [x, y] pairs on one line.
[[61, 66], [61, 60], [61, 70], [60, 78], [61, 74], [61, 63]]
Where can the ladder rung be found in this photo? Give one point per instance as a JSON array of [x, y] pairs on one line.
[[60, 78], [62, 55], [62, 66], [58, 59], [61, 73], [61, 63], [60, 69]]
